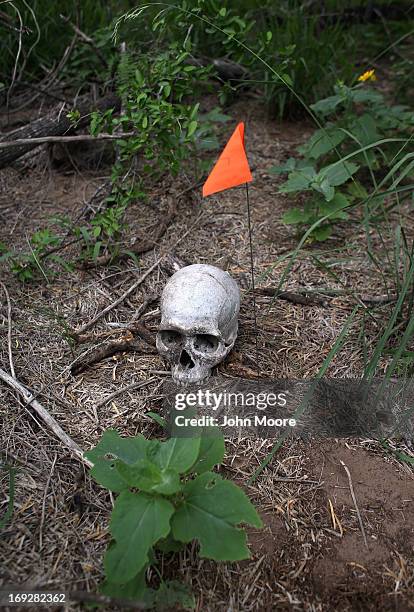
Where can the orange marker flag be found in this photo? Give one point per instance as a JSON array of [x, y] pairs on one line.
[[232, 167]]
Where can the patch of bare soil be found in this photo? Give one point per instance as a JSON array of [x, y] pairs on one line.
[[311, 555]]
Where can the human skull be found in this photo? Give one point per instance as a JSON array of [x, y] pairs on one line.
[[199, 309]]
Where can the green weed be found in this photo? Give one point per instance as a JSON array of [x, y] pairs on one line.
[[369, 137], [167, 497]]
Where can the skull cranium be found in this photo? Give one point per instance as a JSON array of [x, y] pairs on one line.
[[199, 309]]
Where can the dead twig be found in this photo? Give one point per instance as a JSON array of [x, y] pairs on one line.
[[131, 387], [351, 488], [154, 297], [134, 286], [127, 342], [45, 416], [84, 328], [148, 300], [42, 517], [76, 138], [378, 299], [86, 39], [140, 330], [142, 246], [309, 297], [289, 296], [9, 330]]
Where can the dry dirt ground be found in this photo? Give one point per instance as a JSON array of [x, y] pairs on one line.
[[311, 554]]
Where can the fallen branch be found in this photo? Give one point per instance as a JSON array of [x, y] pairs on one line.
[[51, 139], [126, 343], [308, 298], [9, 330], [378, 299], [289, 296], [135, 285], [51, 126], [45, 416]]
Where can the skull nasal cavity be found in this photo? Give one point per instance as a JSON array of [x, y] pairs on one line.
[[185, 360]]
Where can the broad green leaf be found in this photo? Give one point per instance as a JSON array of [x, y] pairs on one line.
[[177, 453], [173, 595], [215, 116], [321, 142], [168, 545], [211, 450], [288, 166], [147, 476], [299, 180], [340, 201], [110, 448], [194, 110], [327, 105], [322, 233], [210, 143], [338, 173], [366, 95], [323, 186], [134, 589], [209, 512], [170, 595], [138, 521], [96, 249], [334, 207], [364, 128], [85, 234], [295, 215], [192, 126]]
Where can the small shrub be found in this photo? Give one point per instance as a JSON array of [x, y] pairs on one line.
[[167, 497], [363, 137]]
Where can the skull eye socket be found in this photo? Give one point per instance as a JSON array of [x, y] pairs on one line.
[[206, 343], [170, 337]]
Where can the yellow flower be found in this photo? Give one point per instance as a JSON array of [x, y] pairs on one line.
[[369, 75]]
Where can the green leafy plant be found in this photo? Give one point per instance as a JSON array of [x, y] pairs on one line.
[[156, 90], [363, 138], [167, 497], [29, 265], [263, 37]]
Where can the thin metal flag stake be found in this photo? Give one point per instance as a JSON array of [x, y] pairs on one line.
[[249, 223], [231, 170]]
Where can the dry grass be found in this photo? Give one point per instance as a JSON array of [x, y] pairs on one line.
[[58, 533]]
